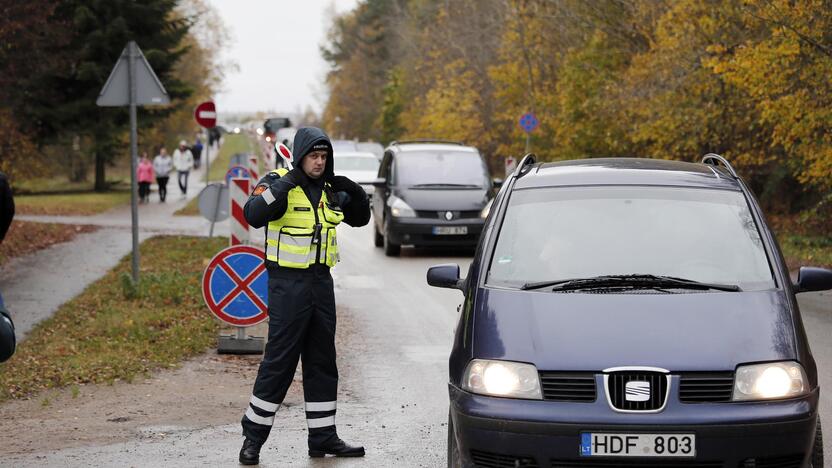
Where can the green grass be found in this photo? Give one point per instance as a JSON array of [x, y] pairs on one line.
[[232, 144], [111, 332], [802, 250], [86, 203]]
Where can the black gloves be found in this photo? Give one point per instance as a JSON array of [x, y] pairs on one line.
[[344, 184], [294, 178]]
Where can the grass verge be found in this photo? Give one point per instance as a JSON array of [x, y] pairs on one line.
[[232, 144], [113, 332], [801, 250], [85, 203], [25, 237]]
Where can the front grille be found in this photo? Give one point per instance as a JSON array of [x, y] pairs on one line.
[[496, 460], [467, 214], [634, 397], [706, 387], [591, 463], [568, 387], [787, 461]]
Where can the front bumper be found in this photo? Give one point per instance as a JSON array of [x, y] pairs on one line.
[[548, 434], [419, 232]]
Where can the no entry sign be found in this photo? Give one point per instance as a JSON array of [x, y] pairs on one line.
[[235, 286], [206, 114]]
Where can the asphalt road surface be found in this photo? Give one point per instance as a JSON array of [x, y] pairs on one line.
[[393, 366]]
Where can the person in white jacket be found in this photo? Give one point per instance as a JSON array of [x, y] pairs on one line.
[[162, 166], [183, 162]]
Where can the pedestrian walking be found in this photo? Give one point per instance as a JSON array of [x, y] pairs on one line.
[[301, 209], [183, 162], [162, 166], [144, 174], [196, 150], [7, 339]]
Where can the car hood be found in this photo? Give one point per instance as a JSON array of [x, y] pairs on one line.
[[592, 332], [444, 199], [359, 177]]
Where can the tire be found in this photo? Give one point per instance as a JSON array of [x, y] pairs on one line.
[[454, 459], [378, 239], [817, 449], [390, 249]]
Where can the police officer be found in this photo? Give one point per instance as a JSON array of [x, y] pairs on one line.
[[7, 340], [301, 209]]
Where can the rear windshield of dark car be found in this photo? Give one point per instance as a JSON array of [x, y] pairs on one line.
[[559, 233], [455, 168]]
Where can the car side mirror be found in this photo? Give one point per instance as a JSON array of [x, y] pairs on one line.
[[813, 279], [445, 276], [379, 182], [497, 182]]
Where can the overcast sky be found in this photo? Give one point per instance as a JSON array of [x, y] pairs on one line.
[[276, 43]]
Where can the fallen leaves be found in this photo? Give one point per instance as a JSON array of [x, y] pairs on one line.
[[26, 237]]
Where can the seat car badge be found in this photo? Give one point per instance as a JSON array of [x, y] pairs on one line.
[[449, 215], [637, 390]]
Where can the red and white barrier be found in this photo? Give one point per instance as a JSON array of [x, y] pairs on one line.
[[238, 193], [253, 168]]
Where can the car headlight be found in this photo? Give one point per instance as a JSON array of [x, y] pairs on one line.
[[770, 381], [503, 379], [486, 209], [399, 208]]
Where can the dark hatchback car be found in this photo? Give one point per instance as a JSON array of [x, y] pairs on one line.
[[630, 312], [430, 194]]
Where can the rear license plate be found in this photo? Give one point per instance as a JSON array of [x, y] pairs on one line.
[[450, 230], [638, 445]]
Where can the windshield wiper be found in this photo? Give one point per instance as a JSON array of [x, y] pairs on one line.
[[445, 185], [628, 281]]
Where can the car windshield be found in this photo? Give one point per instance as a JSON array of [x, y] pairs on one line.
[[354, 163], [705, 235], [437, 168]]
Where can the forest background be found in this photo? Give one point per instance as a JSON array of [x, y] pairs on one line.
[[748, 79]]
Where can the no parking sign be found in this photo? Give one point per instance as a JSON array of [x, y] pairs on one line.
[[235, 286]]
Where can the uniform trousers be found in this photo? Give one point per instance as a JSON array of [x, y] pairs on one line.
[[301, 327]]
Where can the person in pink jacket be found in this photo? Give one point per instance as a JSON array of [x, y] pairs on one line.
[[145, 175]]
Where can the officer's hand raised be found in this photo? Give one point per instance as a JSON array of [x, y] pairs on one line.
[[294, 178], [344, 184]]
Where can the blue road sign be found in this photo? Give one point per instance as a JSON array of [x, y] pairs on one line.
[[237, 172], [528, 122], [235, 286]]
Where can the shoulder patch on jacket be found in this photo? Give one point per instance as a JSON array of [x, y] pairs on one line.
[[259, 189]]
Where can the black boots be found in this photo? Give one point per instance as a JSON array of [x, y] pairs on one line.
[[250, 453], [337, 447]]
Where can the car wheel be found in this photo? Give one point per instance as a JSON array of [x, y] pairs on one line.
[[453, 450], [378, 239], [390, 249], [817, 450]]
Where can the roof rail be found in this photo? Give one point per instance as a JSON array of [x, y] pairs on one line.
[[426, 140], [714, 159], [525, 163]]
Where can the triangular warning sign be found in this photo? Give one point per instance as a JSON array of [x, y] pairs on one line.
[[116, 91]]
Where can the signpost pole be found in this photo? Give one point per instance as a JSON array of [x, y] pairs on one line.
[[134, 208], [207, 154], [528, 142], [216, 211]]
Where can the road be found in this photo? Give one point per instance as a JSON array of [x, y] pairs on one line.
[[394, 338]]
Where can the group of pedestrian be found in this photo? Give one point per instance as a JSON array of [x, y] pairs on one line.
[[183, 161]]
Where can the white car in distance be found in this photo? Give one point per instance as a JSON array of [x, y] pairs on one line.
[[360, 167]]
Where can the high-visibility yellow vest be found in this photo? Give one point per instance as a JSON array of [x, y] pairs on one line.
[[304, 236]]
